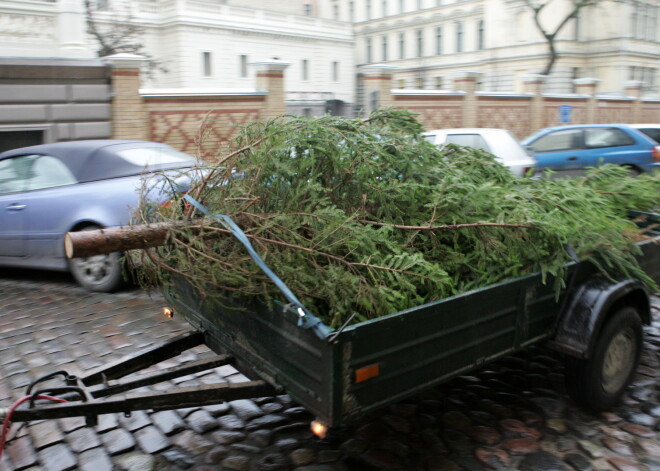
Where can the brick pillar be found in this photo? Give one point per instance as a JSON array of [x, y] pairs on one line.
[[534, 84], [587, 86], [129, 115], [633, 89], [378, 86], [270, 78], [466, 81]]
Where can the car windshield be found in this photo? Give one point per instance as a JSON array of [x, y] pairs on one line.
[[150, 157]]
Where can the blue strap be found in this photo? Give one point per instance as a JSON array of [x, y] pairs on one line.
[[306, 319]]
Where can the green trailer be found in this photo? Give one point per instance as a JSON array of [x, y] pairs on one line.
[[595, 322]]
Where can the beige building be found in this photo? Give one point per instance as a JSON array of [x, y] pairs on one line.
[[429, 41], [207, 44]]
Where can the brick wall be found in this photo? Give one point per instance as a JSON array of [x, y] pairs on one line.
[[522, 113], [199, 122], [201, 125]]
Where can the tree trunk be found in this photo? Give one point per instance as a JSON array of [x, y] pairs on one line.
[[115, 239]]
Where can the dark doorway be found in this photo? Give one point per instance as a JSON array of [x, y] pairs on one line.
[[15, 139]]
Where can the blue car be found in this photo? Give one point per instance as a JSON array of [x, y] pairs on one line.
[[575, 147], [51, 189]]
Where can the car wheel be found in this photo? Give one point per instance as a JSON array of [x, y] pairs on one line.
[[597, 383], [633, 171], [101, 273]]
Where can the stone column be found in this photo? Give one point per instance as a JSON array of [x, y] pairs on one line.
[[466, 81], [633, 89], [270, 78], [378, 86], [71, 25], [534, 84], [129, 115], [587, 86]]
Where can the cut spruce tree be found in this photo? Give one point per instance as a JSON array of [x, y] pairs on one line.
[[364, 217]]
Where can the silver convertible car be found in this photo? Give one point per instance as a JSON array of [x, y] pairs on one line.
[[51, 189]]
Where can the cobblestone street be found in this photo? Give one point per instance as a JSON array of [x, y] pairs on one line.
[[511, 415]]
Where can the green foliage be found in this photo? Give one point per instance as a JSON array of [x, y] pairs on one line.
[[365, 217]]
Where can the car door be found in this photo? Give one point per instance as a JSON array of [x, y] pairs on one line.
[[604, 145], [560, 150], [46, 200], [14, 173]]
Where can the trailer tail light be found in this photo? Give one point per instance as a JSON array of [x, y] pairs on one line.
[[168, 203], [367, 372], [319, 429], [655, 152]]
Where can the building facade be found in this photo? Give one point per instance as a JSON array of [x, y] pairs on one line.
[[200, 44], [429, 41], [210, 44]]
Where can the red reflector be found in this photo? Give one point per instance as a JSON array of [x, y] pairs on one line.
[[367, 372]]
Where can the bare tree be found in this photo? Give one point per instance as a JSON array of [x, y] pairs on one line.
[[119, 35], [550, 35]]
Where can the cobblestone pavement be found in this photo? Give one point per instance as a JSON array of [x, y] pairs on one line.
[[511, 415]]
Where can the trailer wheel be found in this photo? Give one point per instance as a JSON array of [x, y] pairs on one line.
[[597, 383]]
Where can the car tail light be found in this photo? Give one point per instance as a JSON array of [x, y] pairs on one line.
[[655, 152]]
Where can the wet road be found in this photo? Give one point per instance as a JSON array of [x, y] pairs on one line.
[[513, 414]]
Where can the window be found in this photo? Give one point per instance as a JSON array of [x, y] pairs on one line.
[[243, 62], [206, 64], [558, 141], [480, 34], [351, 11], [401, 83], [402, 46], [438, 82], [335, 71], [102, 5], [606, 137], [384, 7], [402, 6], [419, 83], [33, 172], [420, 43], [653, 133], [307, 9], [335, 12], [369, 51], [470, 140], [646, 75], [384, 47], [305, 69], [368, 4], [438, 40], [459, 36]]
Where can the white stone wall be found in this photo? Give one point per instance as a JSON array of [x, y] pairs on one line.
[[613, 39]]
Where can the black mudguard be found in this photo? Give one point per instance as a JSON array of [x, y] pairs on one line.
[[589, 308]]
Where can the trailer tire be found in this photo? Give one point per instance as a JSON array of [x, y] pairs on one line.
[[597, 383]]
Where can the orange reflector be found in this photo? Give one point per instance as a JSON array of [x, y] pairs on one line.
[[169, 313], [367, 372], [319, 429]]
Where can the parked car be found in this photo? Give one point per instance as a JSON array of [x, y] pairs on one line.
[[651, 130], [50, 189], [575, 147], [498, 142]]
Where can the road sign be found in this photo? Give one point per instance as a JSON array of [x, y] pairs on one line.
[[565, 114]]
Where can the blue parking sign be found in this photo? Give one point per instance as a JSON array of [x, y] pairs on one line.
[[564, 114]]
